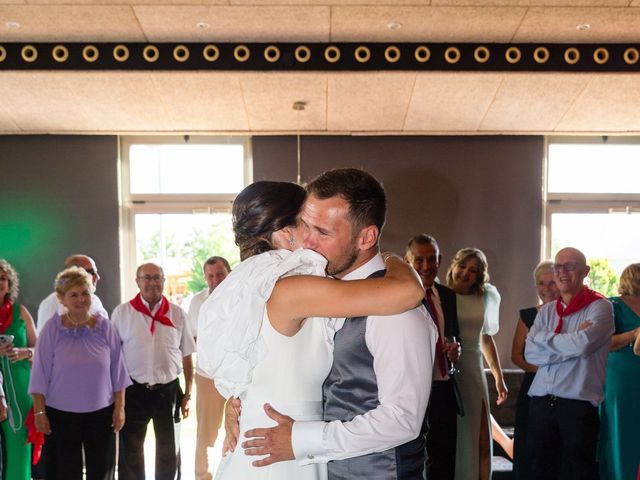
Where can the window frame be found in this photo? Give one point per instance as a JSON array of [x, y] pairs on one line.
[[169, 203], [563, 202]]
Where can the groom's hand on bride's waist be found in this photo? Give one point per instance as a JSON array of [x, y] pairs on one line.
[[275, 442]]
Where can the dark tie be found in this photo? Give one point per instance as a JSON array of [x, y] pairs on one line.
[[439, 344]]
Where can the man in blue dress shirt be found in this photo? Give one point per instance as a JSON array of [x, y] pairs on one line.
[[569, 342]]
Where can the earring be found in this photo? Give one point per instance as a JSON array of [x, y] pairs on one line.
[[292, 241]]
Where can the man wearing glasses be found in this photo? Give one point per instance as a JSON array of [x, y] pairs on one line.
[[50, 305], [157, 344], [569, 342]]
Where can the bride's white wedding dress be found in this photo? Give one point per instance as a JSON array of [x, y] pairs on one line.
[[247, 357]]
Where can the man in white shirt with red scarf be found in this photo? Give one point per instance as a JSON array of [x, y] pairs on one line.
[[569, 343], [157, 344]]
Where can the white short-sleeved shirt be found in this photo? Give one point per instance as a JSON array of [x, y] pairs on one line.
[[153, 358]]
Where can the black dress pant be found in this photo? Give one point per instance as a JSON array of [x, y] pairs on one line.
[[441, 426], [143, 405], [69, 433], [563, 436]]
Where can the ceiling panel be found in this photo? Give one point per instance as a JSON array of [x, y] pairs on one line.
[[48, 23], [454, 102], [269, 101], [560, 25], [536, 3], [368, 102], [434, 24], [234, 24], [202, 101], [532, 102], [119, 101], [41, 103], [609, 103]]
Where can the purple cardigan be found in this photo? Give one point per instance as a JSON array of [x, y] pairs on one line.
[[78, 369]]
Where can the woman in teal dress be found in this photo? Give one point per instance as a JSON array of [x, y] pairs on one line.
[[619, 454], [15, 363]]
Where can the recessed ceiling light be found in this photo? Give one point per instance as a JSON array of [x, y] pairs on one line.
[[202, 25], [300, 105], [583, 27], [394, 25], [12, 25]]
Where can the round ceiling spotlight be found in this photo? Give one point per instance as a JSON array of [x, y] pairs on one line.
[[203, 25], [393, 25], [12, 25], [583, 27]]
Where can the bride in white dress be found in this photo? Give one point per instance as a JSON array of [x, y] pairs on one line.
[[256, 337]]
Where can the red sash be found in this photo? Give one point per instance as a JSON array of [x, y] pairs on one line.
[[581, 300], [6, 315], [160, 316]]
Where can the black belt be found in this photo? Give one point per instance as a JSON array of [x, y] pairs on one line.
[[155, 386], [553, 400]]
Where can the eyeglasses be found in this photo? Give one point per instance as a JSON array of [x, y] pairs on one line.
[[151, 278], [567, 267], [91, 271]]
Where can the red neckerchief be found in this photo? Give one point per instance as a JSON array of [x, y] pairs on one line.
[[6, 315], [160, 316], [34, 437], [581, 300]]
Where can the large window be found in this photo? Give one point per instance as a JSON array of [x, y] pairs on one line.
[[176, 200], [593, 203]]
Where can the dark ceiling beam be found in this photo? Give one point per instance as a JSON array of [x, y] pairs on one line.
[[324, 57]]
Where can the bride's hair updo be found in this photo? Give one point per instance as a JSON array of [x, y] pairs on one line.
[[263, 208]]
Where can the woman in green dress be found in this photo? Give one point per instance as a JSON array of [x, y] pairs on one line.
[[15, 363], [619, 455]]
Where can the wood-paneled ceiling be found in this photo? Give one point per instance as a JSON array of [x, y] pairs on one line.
[[337, 102]]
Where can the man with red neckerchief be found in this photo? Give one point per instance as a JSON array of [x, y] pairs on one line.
[[157, 344], [569, 343]]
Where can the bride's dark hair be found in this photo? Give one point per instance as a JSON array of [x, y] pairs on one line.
[[262, 208]]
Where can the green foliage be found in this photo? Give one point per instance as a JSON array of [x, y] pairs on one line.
[[602, 278], [216, 241]]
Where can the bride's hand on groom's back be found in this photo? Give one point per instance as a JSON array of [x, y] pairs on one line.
[[231, 424], [273, 442]]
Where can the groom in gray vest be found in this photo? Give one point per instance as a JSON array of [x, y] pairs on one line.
[[376, 394]]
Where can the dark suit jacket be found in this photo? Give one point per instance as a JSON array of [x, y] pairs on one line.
[[451, 328]]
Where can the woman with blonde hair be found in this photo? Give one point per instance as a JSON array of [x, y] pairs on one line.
[[478, 305], [547, 292], [18, 328], [618, 452], [78, 384]]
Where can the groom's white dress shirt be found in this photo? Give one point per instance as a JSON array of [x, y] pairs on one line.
[[403, 348]]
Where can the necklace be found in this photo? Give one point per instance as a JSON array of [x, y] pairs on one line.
[[78, 324]]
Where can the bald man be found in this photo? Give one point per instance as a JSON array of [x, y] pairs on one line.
[[157, 344], [50, 305], [569, 343]]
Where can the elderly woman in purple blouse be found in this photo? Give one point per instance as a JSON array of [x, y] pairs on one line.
[[77, 383]]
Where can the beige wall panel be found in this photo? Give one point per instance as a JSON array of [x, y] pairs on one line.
[[373, 102], [433, 24], [269, 99], [559, 25], [251, 24], [202, 101], [7, 125], [609, 103], [41, 103], [48, 23], [450, 102], [532, 102]]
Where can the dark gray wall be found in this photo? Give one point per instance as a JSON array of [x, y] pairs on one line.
[[466, 191], [59, 196]]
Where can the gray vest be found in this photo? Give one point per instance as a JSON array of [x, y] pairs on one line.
[[351, 389]]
